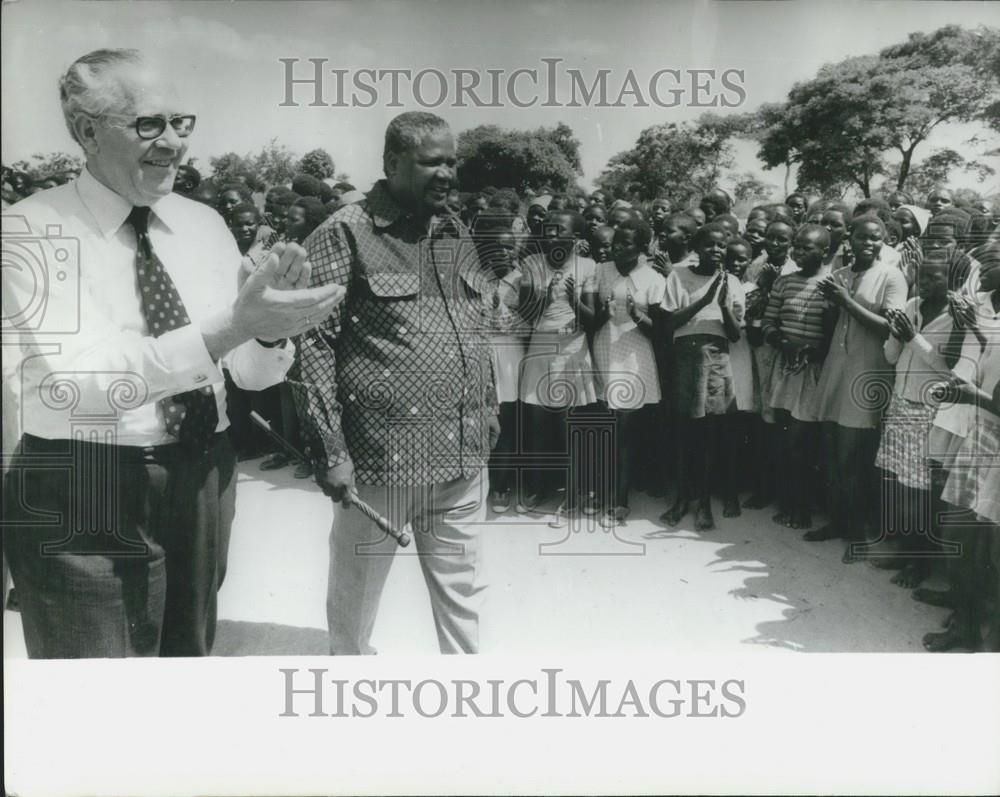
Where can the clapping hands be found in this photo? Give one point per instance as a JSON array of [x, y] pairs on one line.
[[900, 325], [834, 292]]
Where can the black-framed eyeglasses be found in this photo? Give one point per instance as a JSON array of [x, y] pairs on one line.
[[149, 127]]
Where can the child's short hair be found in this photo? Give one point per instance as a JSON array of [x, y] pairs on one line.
[[906, 196], [817, 229], [718, 200], [307, 185], [643, 232], [246, 207], [683, 221], [314, 210], [781, 212], [707, 229], [505, 199], [493, 220], [579, 225], [870, 205], [239, 188], [797, 195], [728, 218], [326, 192], [954, 218], [840, 207], [784, 222], [275, 191], [590, 210], [868, 218], [284, 199], [737, 241]]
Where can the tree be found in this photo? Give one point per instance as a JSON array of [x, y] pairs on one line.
[[680, 160], [274, 164], [518, 159], [950, 75], [318, 163], [42, 165], [229, 167], [931, 171], [839, 126], [750, 188]]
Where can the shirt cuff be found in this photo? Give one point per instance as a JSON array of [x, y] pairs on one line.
[[186, 359], [256, 367], [922, 344]]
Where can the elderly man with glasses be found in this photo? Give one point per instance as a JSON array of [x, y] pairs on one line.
[[125, 299]]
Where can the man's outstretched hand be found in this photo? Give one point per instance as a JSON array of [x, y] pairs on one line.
[[273, 302]]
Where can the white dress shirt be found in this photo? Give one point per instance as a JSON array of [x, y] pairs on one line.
[[71, 298]]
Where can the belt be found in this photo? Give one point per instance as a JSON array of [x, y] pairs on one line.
[[33, 444]]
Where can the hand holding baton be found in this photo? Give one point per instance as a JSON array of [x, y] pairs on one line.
[[400, 536]]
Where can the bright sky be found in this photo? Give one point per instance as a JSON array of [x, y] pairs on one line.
[[226, 56]]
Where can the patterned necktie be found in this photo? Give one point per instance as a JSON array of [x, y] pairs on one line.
[[191, 417]]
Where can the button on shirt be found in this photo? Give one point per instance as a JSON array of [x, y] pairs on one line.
[[399, 378], [72, 297]]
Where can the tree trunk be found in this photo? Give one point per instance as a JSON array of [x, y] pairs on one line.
[[788, 174], [904, 167]]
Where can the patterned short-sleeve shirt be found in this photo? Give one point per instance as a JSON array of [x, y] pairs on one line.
[[399, 379]]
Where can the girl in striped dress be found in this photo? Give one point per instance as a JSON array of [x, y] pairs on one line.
[[797, 326]]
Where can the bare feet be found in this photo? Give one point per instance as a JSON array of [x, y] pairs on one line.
[[731, 507], [703, 520], [827, 532], [911, 576], [783, 519], [675, 514], [939, 642]]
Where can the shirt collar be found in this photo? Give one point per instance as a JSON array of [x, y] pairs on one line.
[[110, 210], [385, 212], [383, 208]]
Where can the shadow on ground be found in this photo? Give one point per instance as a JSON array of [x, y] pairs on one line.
[[239, 638]]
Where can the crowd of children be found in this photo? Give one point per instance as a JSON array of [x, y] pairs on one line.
[[820, 357], [816, 356]]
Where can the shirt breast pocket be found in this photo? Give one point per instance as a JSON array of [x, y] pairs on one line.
[[392, 308], [390, 287]]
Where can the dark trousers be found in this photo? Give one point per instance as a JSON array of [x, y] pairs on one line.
[[118, 550], [505, 459]]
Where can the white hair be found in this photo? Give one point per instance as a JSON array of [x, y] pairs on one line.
[[91, 86]]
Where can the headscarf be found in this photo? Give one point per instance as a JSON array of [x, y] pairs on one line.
[[542, 201], [920, 215]]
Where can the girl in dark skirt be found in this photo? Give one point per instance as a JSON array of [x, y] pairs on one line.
[[702, 309]]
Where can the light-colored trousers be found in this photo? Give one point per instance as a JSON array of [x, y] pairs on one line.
[[444, 521]]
